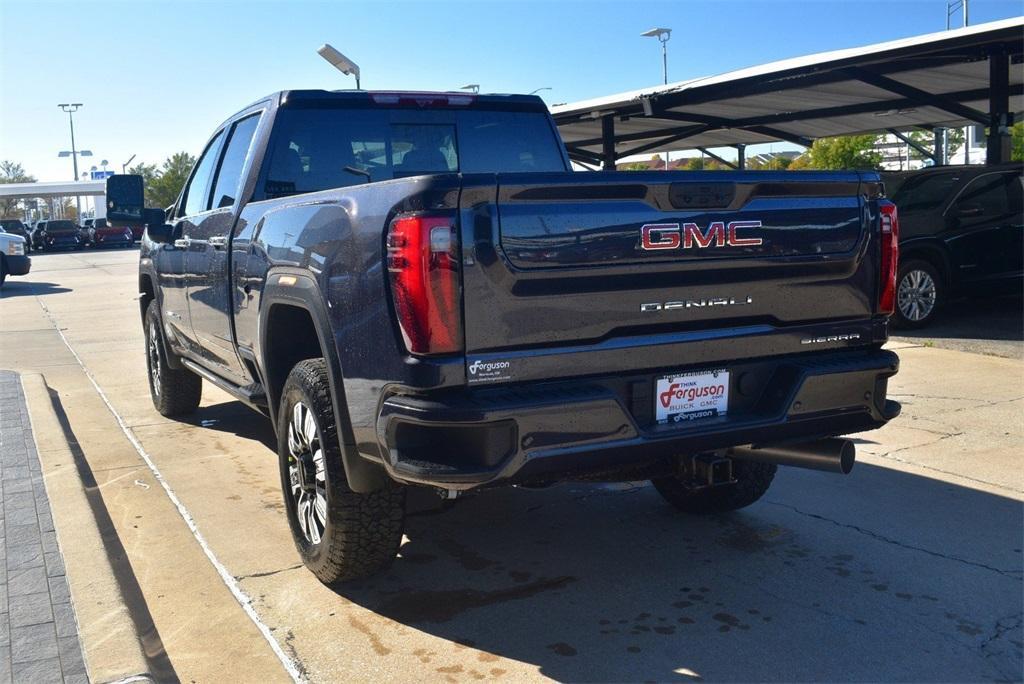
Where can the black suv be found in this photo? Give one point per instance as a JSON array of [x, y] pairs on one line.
[[16, 227], [961, 232]]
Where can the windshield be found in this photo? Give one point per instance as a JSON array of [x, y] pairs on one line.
[[60, 225], [323, 148]]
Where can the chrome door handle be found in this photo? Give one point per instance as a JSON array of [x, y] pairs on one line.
[[183, 243], [218, 241]]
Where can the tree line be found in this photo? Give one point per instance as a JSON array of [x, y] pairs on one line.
[[163, 183]]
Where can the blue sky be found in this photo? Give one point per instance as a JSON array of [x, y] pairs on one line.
[[157, 77]]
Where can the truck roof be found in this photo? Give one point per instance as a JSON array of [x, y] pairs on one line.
[[508, 102]]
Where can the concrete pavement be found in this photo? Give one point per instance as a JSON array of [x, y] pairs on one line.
[[910, 568]]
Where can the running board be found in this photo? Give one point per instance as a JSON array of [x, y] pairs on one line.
[[251, 394]]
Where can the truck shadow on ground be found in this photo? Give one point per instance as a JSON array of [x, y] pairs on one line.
[[235, 418], [879, 575], [13, 288]]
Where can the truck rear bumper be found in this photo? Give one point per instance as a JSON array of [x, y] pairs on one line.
[[543, 432]]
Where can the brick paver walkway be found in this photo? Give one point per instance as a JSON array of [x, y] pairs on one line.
[[38, 633]]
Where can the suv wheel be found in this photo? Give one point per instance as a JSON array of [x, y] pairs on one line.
[[919, 294], [341, 535], [752, 481], [175, 392]]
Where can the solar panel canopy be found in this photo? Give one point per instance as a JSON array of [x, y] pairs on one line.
[[937, 80]]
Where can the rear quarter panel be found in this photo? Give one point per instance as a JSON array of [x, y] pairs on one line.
[[337, 238]]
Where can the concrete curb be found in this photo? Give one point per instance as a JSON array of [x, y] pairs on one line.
[[111, 646]]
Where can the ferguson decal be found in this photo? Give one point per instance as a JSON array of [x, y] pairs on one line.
[[658, 236]]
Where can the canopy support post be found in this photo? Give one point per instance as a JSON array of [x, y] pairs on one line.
[[1000, 119], [608, 142]]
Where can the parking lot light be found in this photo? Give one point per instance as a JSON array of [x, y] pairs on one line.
[[340, 62]]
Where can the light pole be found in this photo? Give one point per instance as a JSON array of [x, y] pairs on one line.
[[472, 87], [534, 92], [71, 109], [125, 165], [340, 62], [662, 34]]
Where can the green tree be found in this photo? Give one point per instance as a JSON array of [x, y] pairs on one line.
[[12, 172], [845, 152], [164, 189], [1017, 141]]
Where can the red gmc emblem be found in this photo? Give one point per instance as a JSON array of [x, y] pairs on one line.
[[655, 236]]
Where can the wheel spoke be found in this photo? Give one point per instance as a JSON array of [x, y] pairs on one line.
[[297, 421], [303, 514], [318, 462], [314, 530], [320, 506], [309, 429]]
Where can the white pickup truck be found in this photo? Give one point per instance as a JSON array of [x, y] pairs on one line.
[[13, 260]]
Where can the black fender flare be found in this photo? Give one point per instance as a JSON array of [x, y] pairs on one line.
[[363, 475], [170, 357]]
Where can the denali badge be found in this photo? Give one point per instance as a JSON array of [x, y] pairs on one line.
[[830, 338], [657, 236], [695, 303]]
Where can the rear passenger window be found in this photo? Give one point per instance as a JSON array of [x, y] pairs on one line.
[[225, 188], [196, 191], [987, 193]]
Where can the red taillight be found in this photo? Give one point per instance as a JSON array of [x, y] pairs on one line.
[[422, 254], [890, 257]]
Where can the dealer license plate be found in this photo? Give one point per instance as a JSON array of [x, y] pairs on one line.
[[683, 397]]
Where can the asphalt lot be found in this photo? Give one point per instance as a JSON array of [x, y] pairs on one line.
[[908, 569], [982, 326]]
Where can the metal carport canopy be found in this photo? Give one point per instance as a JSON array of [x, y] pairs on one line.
[[964, 76], [53, 189]]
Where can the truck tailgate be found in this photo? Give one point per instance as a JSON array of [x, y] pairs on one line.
[[643, 270]]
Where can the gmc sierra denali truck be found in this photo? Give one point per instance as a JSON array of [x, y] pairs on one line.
[[418, 291]]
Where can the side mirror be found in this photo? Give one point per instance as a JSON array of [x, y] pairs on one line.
[[125, 201], [157, 227]]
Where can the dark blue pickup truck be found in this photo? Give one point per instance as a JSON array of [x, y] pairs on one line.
[[418, 291]]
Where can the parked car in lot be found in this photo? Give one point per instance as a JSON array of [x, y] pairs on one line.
[[38, 231], [414, 313], [57, 234], [13, 255], [17, 227], [102, 234], [961, 233]]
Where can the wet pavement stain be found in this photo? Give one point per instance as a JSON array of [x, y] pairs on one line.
[[378, 646], [411, 606]]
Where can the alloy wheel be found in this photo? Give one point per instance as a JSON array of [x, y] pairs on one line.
[[917, 294], [306, 473], [153, 351]]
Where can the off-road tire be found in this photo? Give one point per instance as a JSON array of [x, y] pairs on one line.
[[180, 390], [362, 532], [752, 481], [899, 318]]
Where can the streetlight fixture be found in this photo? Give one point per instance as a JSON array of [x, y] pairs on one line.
[[125, 165], [340, 62], [71, 108], [534, 92], [474, 87], [662, 34]]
